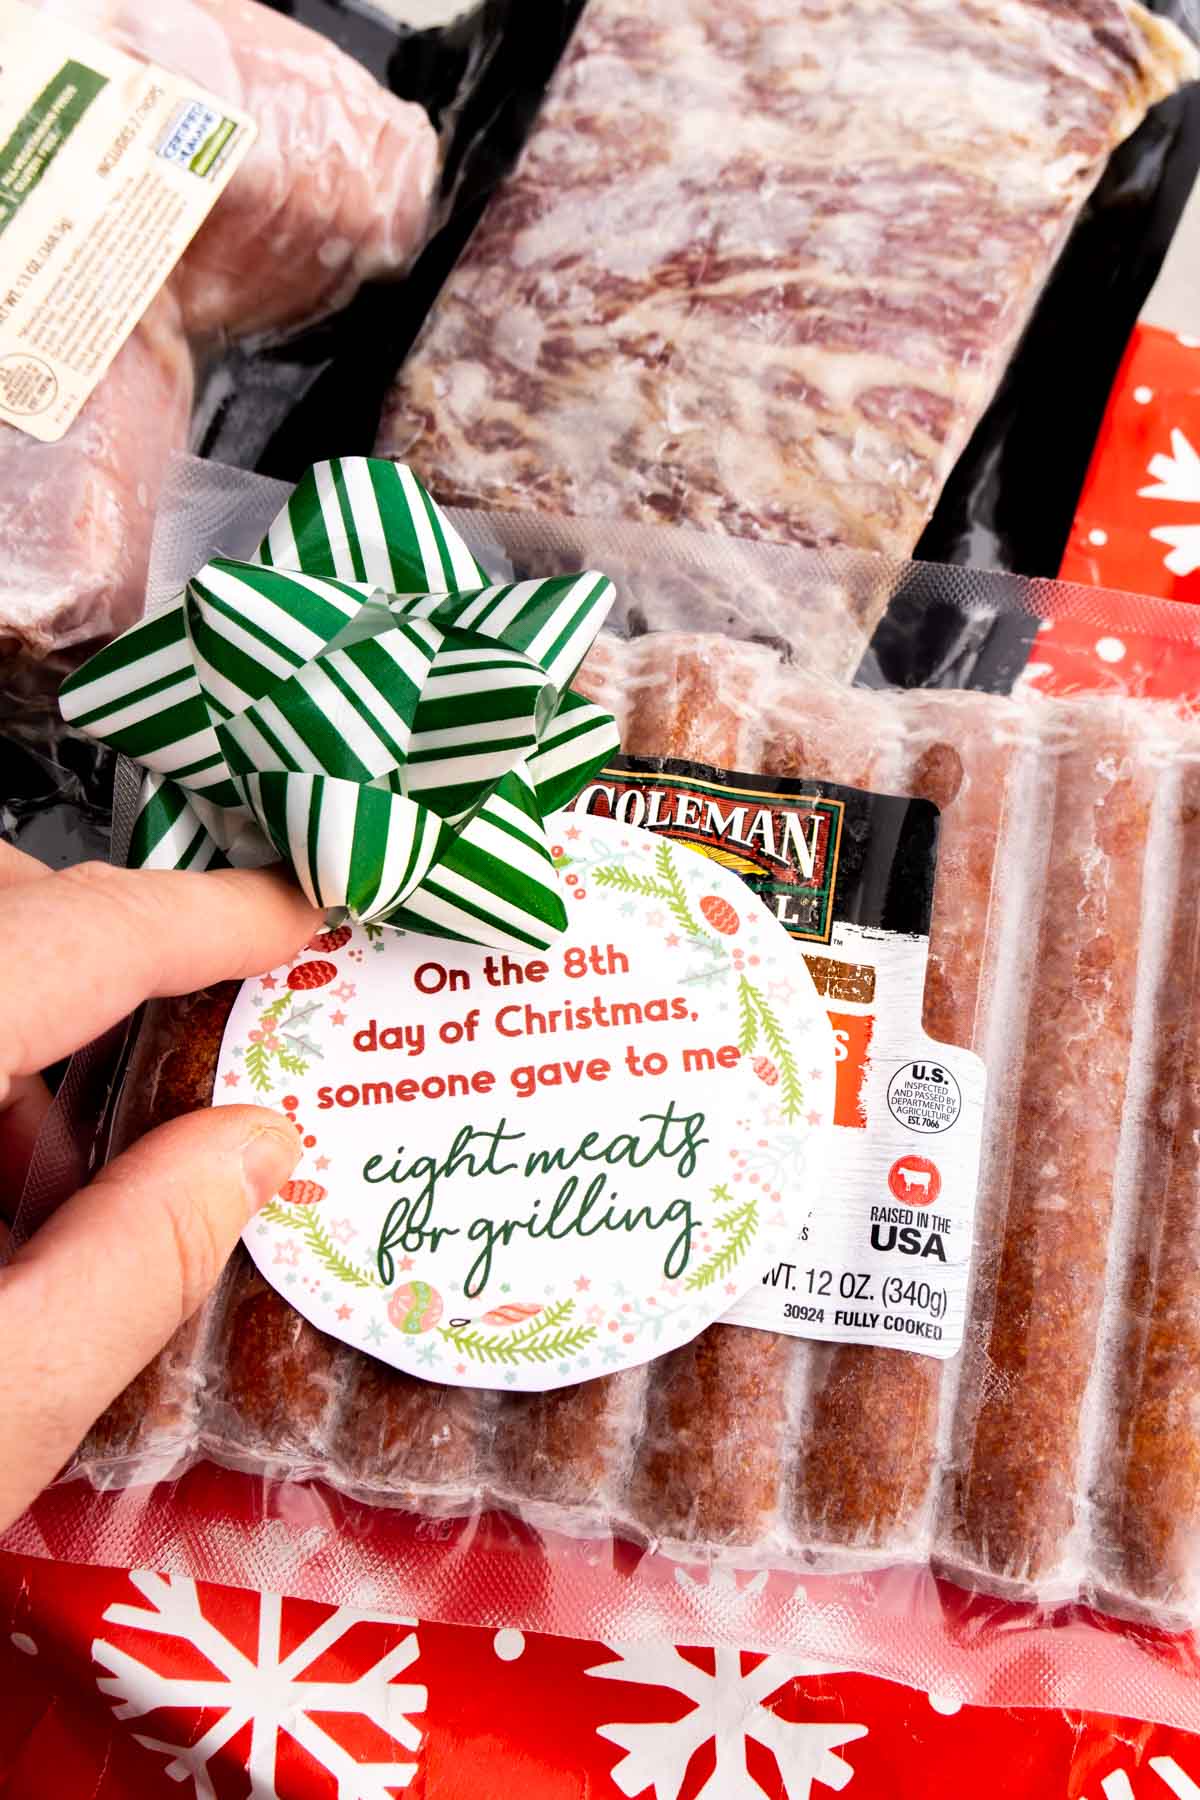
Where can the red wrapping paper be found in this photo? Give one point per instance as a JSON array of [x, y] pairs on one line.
[[1137, 526], [121, 1687]]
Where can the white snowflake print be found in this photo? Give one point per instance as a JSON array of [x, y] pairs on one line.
[[1117, 1785], [1177, 478], [270, 1694], [729, 1708]]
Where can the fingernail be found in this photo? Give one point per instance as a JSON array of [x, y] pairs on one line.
[[268, 1159]]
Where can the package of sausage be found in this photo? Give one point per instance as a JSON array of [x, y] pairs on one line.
[[784, 1239]]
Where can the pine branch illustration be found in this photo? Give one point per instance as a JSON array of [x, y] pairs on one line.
[[275, 1214], [277, 1008], [740, 1226], [292, 1065], [255, 1064], [321, 1244], [791, 1089], [676, 896], [615, 875], [504, 1348], [562, 1344], [747, 1018]]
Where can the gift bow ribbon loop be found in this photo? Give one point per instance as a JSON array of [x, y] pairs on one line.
[[362, 701]]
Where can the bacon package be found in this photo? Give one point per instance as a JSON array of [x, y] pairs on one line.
[[760, 269]]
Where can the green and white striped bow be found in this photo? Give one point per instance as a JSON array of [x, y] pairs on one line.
[[360, 700]]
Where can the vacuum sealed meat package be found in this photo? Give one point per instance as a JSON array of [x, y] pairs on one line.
[[760, 271], [335, 190], [950, 1410], [330, 183], [78, 515]]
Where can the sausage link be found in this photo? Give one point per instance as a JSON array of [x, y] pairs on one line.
[[720, 1437], [171, 1072], [870, 1443], [1010, 1501], [276, 1381], [673, 695], [405, 1439], [1148, 1485], [709, 1468], [265, 1364]]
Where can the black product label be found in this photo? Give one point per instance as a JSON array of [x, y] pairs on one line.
[[817, 854]]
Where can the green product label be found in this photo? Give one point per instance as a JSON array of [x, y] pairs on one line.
[[42, 132], [212, 147]]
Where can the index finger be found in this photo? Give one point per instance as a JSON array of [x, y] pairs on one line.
[[93, 942]]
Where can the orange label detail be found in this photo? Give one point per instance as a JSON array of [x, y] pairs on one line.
[[852, 1039]]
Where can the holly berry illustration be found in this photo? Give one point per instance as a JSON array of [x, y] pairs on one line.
[[720, 914], [311, 975], [414, 1307], [302, 1193], [766, 1071], [329, 941]]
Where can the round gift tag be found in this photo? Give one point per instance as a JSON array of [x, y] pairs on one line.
[[526, 1170]]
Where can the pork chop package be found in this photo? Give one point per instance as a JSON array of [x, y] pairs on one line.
[[176, 178], [853, 1030]]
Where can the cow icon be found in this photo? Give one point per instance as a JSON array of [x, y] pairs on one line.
[[915, 1180]]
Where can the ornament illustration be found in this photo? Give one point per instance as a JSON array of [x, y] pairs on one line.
[[329, 941], [513, 1313], [302, 1193], [720, 914], [311, 975], [414, 1307]]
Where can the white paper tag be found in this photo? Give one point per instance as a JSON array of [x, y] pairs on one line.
[[526, 1171], [108, 167], [884, 1255]]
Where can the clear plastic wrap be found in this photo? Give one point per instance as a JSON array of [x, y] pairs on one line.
[[761, 271], [752, 1488]]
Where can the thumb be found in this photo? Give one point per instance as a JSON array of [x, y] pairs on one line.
[[97, 1292]]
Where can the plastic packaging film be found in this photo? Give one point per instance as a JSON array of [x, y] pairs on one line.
[[336, 189], [1050, 1458], [77, 516], [760, 271]]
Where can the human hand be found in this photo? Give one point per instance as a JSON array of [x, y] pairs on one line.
[[96, 1293]]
